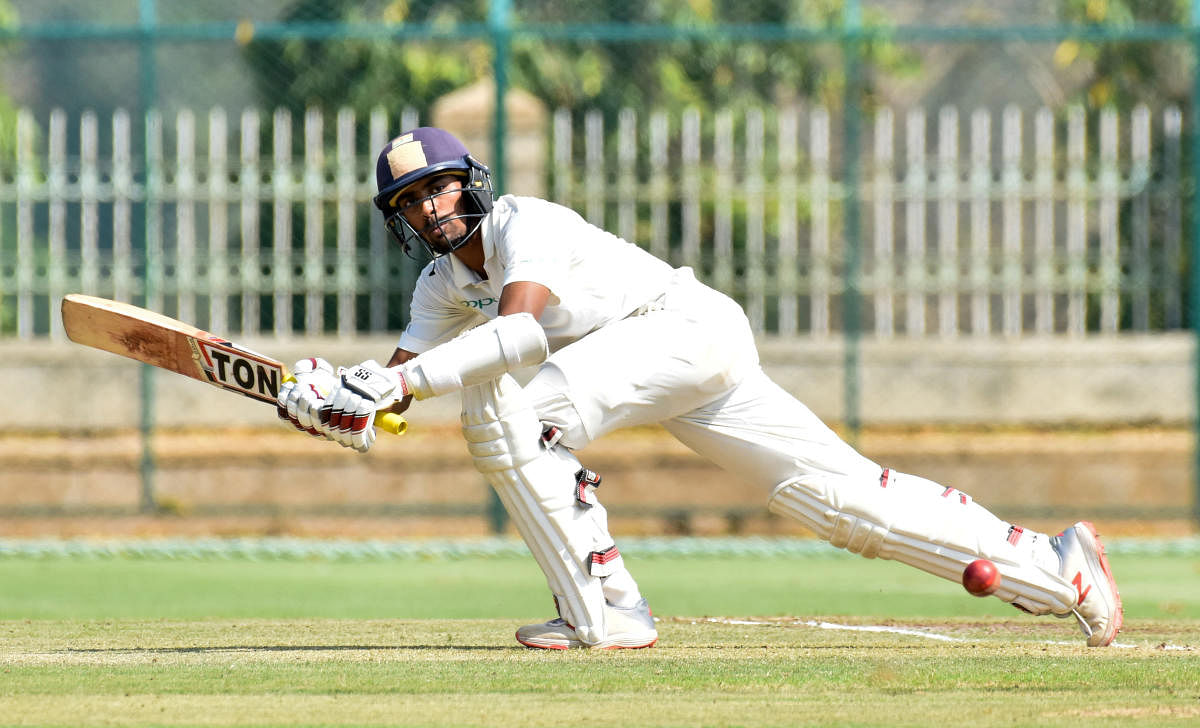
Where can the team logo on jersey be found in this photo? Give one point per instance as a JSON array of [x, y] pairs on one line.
[[480, 303]]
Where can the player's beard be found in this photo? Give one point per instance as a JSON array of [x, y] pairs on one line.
[[448, 240]]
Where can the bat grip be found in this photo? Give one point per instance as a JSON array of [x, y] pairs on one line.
[[391, 422]]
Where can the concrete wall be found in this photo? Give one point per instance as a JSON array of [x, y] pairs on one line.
[[63, 386], [1053, 380]]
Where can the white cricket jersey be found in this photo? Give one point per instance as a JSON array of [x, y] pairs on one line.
[[594, 277]]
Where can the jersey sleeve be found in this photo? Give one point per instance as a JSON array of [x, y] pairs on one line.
[[434, 318]]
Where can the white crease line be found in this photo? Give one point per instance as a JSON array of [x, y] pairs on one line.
[[915, 632], [847, 627], [881, 628]]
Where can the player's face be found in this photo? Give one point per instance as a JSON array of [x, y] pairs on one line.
[[434, 207]]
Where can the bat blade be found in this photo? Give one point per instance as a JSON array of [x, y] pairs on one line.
[[130, 331], [164, 342], [160, 341]]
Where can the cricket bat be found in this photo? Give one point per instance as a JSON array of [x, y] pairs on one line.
[[161, 341]]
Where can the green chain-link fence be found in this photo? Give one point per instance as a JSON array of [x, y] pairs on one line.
[[850, 167]]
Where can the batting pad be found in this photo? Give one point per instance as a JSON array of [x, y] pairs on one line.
[[537, 485], [923, 524], [504, 344]]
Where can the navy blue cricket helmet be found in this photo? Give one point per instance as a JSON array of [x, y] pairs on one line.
[[425, 152]]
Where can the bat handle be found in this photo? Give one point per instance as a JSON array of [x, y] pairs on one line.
[[391, 422]]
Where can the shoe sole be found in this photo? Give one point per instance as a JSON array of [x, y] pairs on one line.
[[1115, 624], [535, 644], [616, 645], [619, 646]]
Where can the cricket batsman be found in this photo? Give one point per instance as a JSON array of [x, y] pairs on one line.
[[620, 338]]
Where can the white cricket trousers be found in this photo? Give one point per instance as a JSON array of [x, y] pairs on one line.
[[690, 363]]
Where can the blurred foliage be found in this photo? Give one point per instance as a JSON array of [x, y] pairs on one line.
[[672, 73], [1122, 74], [8, 111], [683, 72], [365, 74]]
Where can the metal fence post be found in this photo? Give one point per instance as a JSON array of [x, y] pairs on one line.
[[852, 229], [497, 516], [149, 82], [500, 23], [1194, 257]]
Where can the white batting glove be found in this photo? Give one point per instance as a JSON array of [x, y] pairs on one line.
[[299, 402], [348, 414]]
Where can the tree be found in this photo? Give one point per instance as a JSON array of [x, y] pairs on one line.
[[8, 110], [365, 74], [700, 69], [1120, 75], [1125, 73]]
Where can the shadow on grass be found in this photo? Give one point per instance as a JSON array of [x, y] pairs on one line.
[[280, 648]]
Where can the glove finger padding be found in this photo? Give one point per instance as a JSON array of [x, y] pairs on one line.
[[347, 415], [335, 412], [300, 398], [306, 413], [362, 431], [281, 401], [295, 398]]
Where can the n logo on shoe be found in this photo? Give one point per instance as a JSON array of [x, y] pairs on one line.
[[1078, 582]]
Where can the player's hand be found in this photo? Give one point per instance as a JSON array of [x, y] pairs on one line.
[[348, 414], [301, 397]]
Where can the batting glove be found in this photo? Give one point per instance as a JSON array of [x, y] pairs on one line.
[[348, 415], [301, 397]]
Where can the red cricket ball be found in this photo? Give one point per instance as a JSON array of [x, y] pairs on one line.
[[981, 577]]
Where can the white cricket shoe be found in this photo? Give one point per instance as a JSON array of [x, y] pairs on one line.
[[628, 629], [1098, 603]]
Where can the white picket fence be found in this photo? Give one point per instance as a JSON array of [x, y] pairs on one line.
[[965, 231], [1019, 242]]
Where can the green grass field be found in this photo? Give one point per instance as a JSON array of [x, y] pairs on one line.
[[744, 640]]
